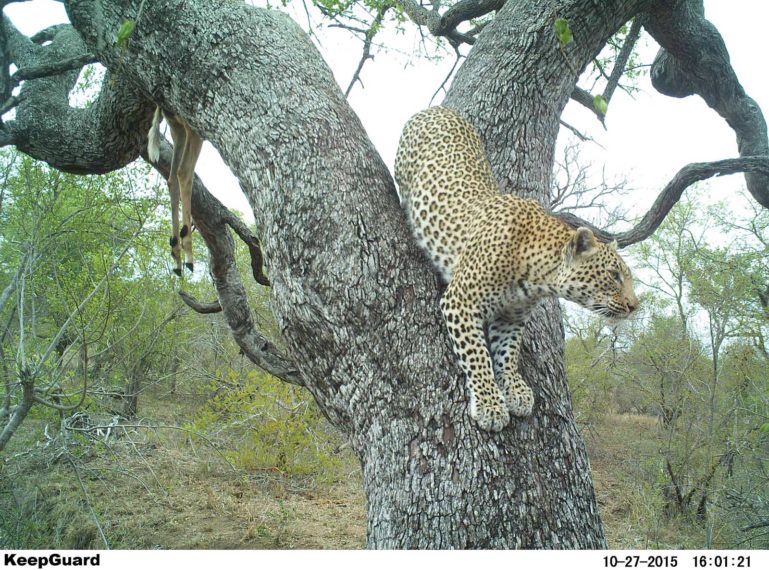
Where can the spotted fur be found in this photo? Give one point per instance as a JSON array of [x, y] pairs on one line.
[[499, 255]]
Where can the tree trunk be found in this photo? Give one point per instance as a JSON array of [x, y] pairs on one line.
[[131, 392], [356, 302]]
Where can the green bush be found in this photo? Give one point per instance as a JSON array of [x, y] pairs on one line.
[[271, 425]]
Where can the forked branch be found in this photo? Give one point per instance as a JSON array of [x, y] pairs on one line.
[[368, 37], [585, 99], [694, 61], [445, 25], [622, 58]]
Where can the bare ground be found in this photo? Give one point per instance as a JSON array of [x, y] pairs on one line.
[[174, 498]]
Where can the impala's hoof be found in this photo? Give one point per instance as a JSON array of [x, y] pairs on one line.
[[178, 271], [189, 266]]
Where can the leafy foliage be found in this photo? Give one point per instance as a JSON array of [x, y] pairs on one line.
[[279, 426], [600, 104], [563, 31], [696, 361], [124, 33]]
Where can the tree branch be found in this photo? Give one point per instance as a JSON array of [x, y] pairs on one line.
[[694, 60], [466, 10], [9, 104], [624, 55], [22, 408], [46, 70], [47, 34], [6, 85], [762, 524], [87, 500], [671, 194], [198, 307], [14, 283], [449, 75], [79, 309], [254, 248], [83, 390], [212, 219], [367, 39], [437, 25], [585, 99], [581, 136]]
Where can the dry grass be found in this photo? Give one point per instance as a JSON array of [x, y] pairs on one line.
[[161, 489], [625, 458], [206, 504]]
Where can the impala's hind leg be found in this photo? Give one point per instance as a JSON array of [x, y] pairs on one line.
[[179, 136], [187, 145], [186, 174], [176, 250]]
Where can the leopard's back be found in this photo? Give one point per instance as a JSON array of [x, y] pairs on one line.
[[443, 178]]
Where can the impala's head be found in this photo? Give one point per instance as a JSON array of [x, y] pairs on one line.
[[594, 275]]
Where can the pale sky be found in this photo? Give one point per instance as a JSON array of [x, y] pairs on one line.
[[647, 139]]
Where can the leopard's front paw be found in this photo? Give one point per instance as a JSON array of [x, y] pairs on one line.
[[490, 416], [519, 398]]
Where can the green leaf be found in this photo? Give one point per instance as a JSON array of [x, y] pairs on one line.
[[600, 105], [124, 33], [764, 428], [562, 31]]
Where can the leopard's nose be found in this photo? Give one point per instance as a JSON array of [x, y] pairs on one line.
[[631, 307]]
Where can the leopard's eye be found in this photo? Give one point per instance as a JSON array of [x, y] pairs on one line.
[[617, 276]]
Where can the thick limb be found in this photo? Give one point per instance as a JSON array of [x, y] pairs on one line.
[[465, 324], [505, 337]]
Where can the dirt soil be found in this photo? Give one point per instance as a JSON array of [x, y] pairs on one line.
[[175, 497]]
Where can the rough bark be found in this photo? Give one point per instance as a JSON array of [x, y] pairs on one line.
[[95, 140], [356, 303]]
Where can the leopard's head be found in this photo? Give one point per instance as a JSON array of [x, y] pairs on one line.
[[594, 275]]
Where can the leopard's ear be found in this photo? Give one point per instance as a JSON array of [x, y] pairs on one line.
[[612, 244], [580, 246]]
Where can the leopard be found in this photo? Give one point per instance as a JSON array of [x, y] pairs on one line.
[[498, 256]]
